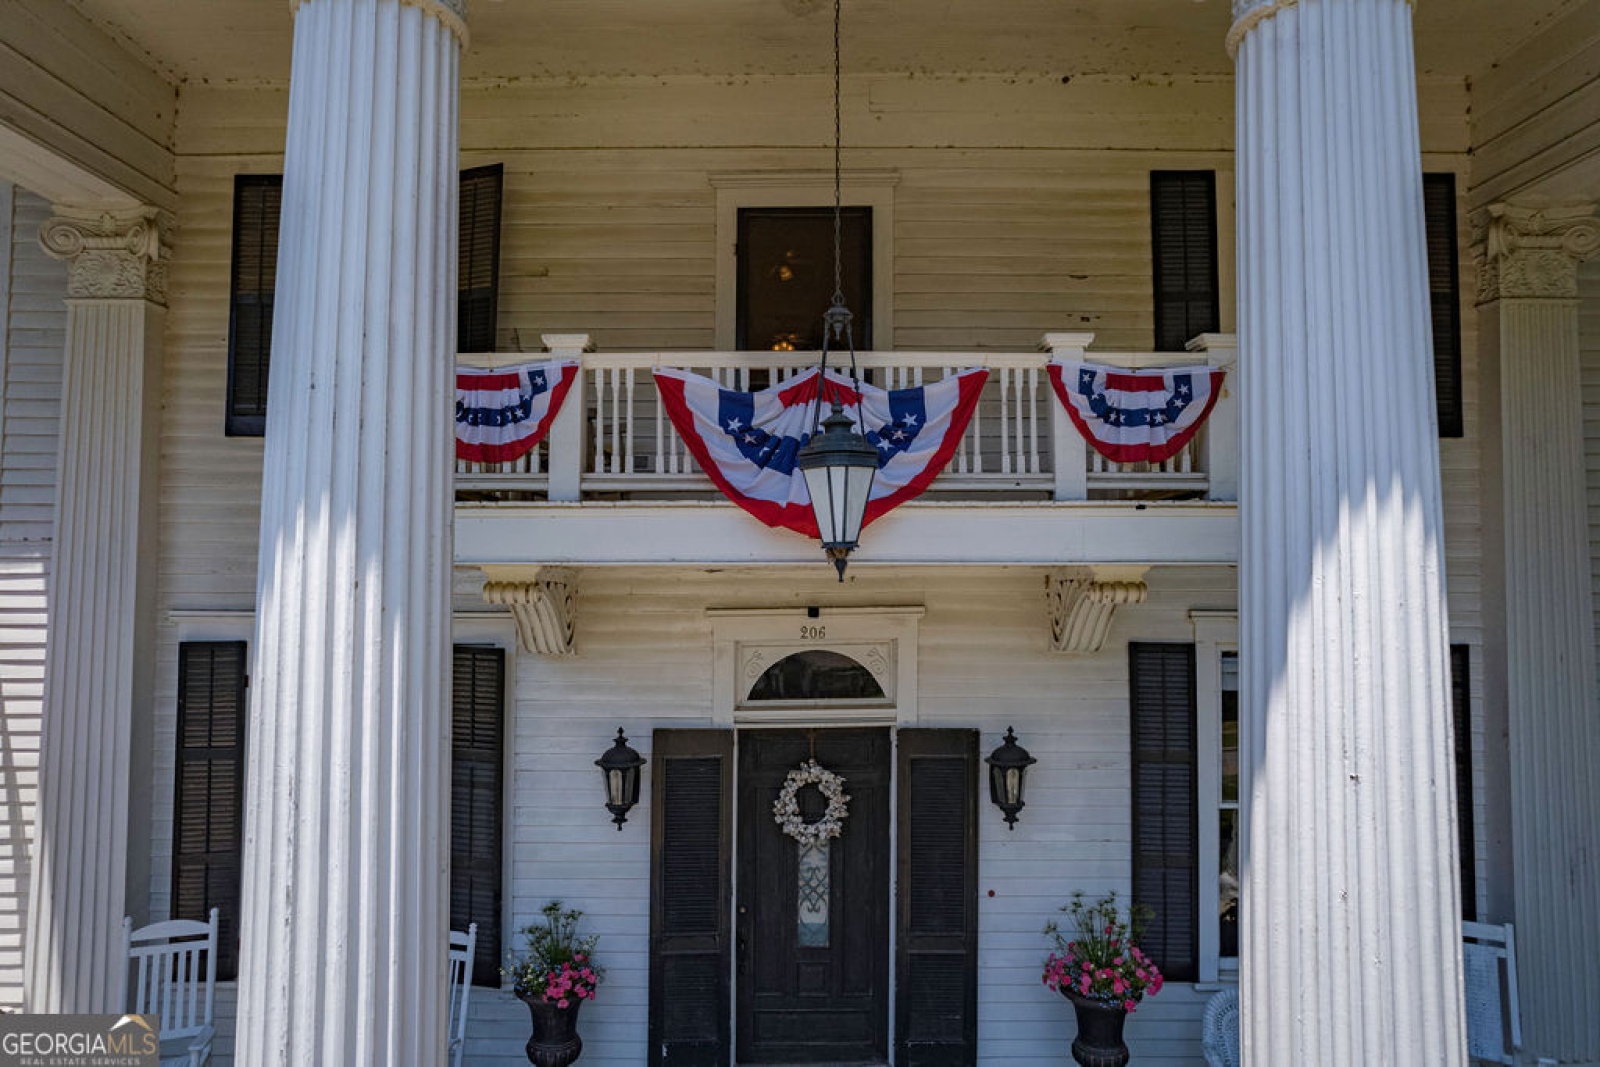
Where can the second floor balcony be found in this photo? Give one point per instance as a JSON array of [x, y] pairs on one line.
[[614, 483]]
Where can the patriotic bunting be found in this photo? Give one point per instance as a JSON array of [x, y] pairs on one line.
[[503, 414], [1133, 415], [748, 442]]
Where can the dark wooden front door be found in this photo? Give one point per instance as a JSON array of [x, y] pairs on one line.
[[813, 987]]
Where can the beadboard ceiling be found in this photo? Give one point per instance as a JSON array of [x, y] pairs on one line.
[[230, 41]]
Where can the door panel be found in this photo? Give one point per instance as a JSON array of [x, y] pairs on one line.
[[813, 997]]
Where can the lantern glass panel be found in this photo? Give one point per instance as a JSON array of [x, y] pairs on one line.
[[819, 484]]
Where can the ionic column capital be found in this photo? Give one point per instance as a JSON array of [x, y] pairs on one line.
[[1248, 14], [1532, 252], [452, 13], [110, 255]]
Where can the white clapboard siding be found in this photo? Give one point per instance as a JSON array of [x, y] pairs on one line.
[[22, 641], [32, 333], [1589, 356], [36, 325]]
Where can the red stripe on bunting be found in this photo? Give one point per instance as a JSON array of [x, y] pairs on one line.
[[489, 381], [1134, 383], [804, 390]]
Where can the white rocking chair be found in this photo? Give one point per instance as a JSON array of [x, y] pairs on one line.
[[1219, 1029], [462, 947], [168, 959], [1494, 1018]]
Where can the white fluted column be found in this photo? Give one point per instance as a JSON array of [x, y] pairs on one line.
[[345, 907], [98, 656], [1350, 950], [1537, 557]]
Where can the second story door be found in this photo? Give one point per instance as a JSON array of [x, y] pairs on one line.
[[785, 276]]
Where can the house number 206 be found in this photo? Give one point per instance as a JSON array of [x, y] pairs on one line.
[[813, 633]]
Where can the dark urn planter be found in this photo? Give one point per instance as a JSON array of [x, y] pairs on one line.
[[1099, 1040], [555, 1041]]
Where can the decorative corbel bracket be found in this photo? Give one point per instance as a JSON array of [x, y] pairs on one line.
[[1082, 600], [542, 600]]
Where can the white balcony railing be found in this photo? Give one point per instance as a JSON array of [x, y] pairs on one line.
[[613, 439]]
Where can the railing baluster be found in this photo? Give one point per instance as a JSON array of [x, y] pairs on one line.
[[1005, 430], [613, 458], [628, 465], [661, 422], [596, 464], [1034, 466]]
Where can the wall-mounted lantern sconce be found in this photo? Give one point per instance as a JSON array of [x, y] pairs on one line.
[[1008, 773], [620, 768]]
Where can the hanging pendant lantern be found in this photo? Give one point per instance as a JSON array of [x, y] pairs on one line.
[[837, 460], [838, 463]]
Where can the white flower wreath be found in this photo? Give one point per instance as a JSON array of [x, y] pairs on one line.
[[786, 810]]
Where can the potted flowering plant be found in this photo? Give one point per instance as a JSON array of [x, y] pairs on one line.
[[554, 975], [1103, 972]]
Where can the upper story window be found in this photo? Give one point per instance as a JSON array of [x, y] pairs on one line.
[[785, 275], [257, 202], [1183, 240], [478, 258], [1444, 298]]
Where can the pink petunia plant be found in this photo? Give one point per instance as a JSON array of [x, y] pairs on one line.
[[557, 965], [1102, 960]]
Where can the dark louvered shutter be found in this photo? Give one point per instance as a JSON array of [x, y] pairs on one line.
[[1461, 723], [1444, 297], [478, 258], [1165, 827], [690, 882], [936, 955], [257, 199], [1183, 237], [208, 822], [477, 778]]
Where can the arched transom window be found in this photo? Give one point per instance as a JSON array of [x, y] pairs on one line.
[[816, 675]]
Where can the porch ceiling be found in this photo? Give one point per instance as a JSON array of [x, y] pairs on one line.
[[232, 41]]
